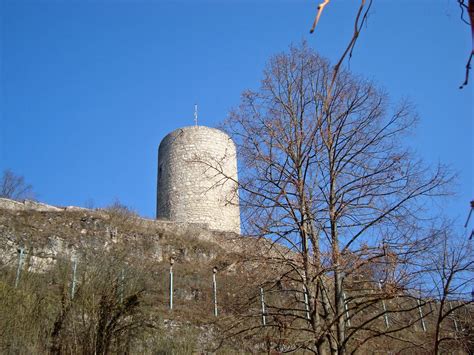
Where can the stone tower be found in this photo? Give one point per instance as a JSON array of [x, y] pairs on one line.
[[197, 178]]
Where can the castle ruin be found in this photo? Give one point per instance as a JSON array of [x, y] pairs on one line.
[[197, 178]]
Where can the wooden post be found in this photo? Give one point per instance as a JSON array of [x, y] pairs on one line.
[[262, 301], [346, 309], [454, 317], [423, 325], [306, 302], [171, 282], [387, 324], [214, 286], [21, 252], [73, 283]]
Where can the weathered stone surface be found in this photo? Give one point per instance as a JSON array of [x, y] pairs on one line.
[[197, 178], [48, 235], [26, 205], [48, 232]]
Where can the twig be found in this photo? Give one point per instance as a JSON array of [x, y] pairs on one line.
[[318, 14], [470, 10], [463, 7]]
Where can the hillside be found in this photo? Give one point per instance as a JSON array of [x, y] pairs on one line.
[[97, 281], [105, 244]]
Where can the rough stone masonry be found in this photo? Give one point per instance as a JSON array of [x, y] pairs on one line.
[[197, 178]]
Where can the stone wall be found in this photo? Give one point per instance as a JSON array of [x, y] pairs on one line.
[[197, 178], [26, 205]]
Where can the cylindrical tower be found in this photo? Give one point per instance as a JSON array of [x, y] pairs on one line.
[[197, 178]]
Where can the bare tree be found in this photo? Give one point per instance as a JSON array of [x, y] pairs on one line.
[[466, 6], [324, 174], [451, 269], [14, 186]]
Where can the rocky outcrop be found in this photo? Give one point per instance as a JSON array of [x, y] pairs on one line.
[[47, 233]]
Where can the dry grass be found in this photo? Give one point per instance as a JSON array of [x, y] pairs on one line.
[[122, 291]]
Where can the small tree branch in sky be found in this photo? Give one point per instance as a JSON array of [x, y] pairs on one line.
[[470, 10], [463, 7], [318, 14]]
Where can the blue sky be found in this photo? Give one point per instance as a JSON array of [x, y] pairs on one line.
[[89, 88]]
